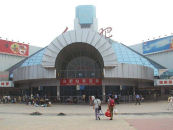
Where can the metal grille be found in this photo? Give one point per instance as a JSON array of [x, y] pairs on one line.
[[81, 67]]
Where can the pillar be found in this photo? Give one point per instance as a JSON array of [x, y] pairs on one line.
[[133, 90], [103, 94], [134, 93], [58, 91], [162, 91], [31, 92]]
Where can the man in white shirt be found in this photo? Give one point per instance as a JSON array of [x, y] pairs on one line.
[[170, 102], [96, 104]]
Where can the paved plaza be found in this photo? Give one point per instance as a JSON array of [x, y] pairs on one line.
[[147, 116]]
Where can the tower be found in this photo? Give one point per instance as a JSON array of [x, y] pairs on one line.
[[85, 18]]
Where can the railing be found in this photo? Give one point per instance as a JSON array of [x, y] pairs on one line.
[[79, 74], [79, 99]]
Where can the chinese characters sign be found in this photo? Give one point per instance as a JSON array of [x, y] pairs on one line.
[[14, 48], [80, 81], [106, 32], [6, 84], [164, 82]]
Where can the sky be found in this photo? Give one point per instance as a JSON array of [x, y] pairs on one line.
[[39, 22]]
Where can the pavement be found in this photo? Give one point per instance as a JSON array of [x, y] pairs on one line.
[[147, 116]]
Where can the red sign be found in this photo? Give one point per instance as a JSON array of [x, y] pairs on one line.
[[80, 81], [6, 84], [161, 82], [14, 48], [3, 76], [164, 82]]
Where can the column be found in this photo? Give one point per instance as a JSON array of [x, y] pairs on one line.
[[31, 93], [58, 91], [162, 91], [133, 98], [103, 94]]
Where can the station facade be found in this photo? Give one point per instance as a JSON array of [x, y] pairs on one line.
[[83, 62]]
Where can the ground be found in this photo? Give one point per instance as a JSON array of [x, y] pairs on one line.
[[147, 116]]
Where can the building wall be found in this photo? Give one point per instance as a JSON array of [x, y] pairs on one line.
[[123, 71], [127, 82], [164, 58], [129, 71], [33, 72], [4, 76], [137, 48], [6, 60]]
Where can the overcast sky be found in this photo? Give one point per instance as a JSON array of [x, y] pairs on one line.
[[38, 22]]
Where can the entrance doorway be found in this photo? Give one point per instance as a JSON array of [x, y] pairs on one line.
[[79, 67], [124, 93], [75, 94]]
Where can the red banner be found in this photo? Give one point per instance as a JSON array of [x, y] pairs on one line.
[[6, 84], [81, 81], [164, 82], [14, 48]]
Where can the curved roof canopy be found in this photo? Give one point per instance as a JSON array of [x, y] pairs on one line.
[[127, 55], [123, 53]]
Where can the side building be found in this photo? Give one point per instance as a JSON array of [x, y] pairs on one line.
[[161, 51], [10, 54]]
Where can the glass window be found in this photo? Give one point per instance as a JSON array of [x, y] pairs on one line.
[[126, 55], [34, 59]]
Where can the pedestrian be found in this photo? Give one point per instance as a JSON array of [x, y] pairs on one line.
[[116, 99], [96, 104], [19, 99], [138, 100], [92, 100], [84, 98], [111, 104], [170, 102]]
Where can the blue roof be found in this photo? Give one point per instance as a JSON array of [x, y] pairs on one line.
[[35, 59], [127, 55]]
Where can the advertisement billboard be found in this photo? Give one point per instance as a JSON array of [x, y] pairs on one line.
[[157, 45], [14, 48]]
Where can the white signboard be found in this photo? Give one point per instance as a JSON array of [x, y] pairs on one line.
[[6, 84], [164, 82]]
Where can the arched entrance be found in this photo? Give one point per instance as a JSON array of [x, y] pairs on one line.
[[79, 67]]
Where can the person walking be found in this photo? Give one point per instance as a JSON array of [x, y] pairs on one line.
[[138, 99], [111, 104], [116, 99], [170, 102], [92, 100], [96, 104], [83, 98]]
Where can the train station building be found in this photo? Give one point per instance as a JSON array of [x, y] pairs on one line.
[[84, 62]]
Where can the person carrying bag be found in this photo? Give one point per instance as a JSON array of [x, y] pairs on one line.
[[111, 104], [97, 106]]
